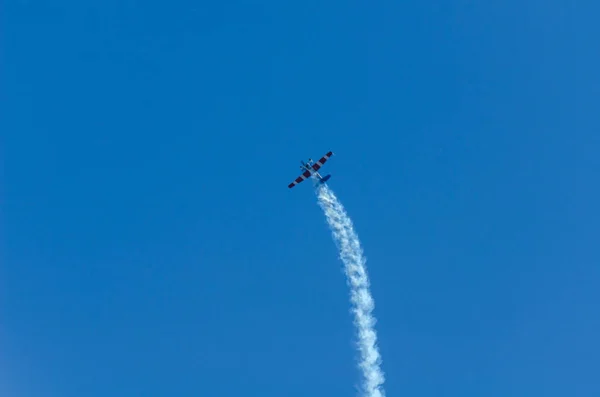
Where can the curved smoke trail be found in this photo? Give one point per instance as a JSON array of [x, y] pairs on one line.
[[351, 255]]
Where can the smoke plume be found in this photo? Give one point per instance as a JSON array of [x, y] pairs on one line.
[[351, 255]]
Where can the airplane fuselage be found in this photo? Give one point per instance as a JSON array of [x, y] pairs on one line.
[[308, 167]]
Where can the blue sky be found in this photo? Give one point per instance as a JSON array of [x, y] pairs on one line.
[[152, 248]]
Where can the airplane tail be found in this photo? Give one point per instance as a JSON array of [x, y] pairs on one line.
[[325, 179]]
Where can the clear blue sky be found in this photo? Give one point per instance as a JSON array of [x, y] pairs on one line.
[[151, 246]]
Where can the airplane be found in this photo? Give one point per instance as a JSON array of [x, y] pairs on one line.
[[310, 169]]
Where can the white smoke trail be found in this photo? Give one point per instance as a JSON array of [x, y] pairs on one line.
[[351, 255]]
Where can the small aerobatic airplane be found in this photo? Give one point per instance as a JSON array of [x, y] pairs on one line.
[[310, 169]]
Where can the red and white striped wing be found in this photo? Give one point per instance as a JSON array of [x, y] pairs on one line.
[[322, 161], [305, 174]]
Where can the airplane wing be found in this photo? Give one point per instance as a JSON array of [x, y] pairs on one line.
[[322, 161], [305, 174]]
